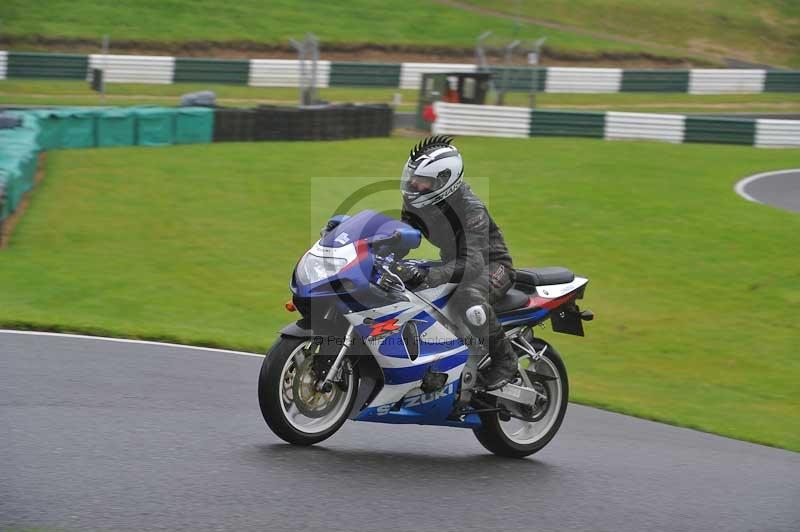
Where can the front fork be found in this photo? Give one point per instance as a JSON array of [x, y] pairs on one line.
[[326, 384]]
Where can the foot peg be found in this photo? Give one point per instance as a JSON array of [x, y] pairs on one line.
[[492, 386], [498, 374]]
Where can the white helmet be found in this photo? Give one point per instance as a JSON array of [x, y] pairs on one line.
[[432, 173]]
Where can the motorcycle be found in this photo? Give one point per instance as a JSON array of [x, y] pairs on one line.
[[367, 348]]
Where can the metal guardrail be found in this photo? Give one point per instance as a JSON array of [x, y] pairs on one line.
[[483, 120], [286, 73]]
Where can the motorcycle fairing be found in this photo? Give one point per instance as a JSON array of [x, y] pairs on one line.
[[400, 400], [379, 322], [546, 299]]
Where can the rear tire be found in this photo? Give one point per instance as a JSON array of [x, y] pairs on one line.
[[498, 437], [272, 396]]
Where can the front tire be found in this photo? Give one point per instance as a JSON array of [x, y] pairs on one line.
[[517, 438], [290, 406]]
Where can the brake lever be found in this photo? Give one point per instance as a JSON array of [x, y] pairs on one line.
[[390, 280]]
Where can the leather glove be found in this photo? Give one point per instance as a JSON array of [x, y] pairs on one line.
[[411, 274]]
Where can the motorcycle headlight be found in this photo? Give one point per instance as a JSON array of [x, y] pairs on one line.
[[313, 268]]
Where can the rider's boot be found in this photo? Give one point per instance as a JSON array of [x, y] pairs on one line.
[[503, 366]]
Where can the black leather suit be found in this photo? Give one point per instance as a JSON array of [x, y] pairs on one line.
[[473, 254]]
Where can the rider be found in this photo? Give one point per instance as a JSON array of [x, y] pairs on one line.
[[473, 253]]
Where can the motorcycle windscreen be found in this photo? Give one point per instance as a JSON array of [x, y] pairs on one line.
[[362, 225]]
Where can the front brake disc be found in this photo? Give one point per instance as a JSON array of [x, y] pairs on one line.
[[308, 400]]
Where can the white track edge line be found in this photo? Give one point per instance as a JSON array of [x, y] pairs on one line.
[[129, 341], [739, 186]]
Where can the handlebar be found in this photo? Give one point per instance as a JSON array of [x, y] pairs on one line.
[[405, 238], [391, 240]]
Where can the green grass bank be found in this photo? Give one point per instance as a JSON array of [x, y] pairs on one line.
[[696, 290], [401, 22]]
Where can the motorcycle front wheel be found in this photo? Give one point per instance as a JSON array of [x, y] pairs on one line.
[[534, 425], [290, 403]]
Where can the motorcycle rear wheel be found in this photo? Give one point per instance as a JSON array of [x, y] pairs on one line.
[[517, 438], [292, 408]]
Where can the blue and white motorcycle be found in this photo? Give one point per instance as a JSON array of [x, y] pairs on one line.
[[368, 349]]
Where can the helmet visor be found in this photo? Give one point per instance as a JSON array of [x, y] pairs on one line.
[[414, 184]]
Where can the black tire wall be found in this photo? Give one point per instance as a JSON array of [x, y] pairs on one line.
[[330, 122]]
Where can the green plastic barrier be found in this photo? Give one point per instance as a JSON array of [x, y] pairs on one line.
[[50, 129], [19, 177], [155, 126], [519, 78], [194, 125], [47, 129], [66, 128], [5, 204], [26, 135], [78, 128], [18, 156], [195, 70], [655, 81], [352, 74], [116, 127], [46, 66], [779, 81], [720, 130], [567, 124]]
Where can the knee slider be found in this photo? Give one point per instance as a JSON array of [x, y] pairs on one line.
[[476, 315]]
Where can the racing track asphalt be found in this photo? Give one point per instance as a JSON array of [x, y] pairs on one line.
[[124, 436], [780, 189]]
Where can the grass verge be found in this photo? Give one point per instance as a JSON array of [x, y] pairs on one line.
[[35, 92], [761, 30], [695, 290], [358, 21]]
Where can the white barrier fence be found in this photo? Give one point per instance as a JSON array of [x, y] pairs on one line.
[[719, 81], [492, 121], [777, 133], [482, 120], [642, 126], [285, 73], [590, 80], [133, 68]]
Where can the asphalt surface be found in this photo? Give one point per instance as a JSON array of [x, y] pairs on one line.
[[779, 189], [121, 436]]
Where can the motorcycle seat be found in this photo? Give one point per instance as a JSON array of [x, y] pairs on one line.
[[533, 277], [512, 300]]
